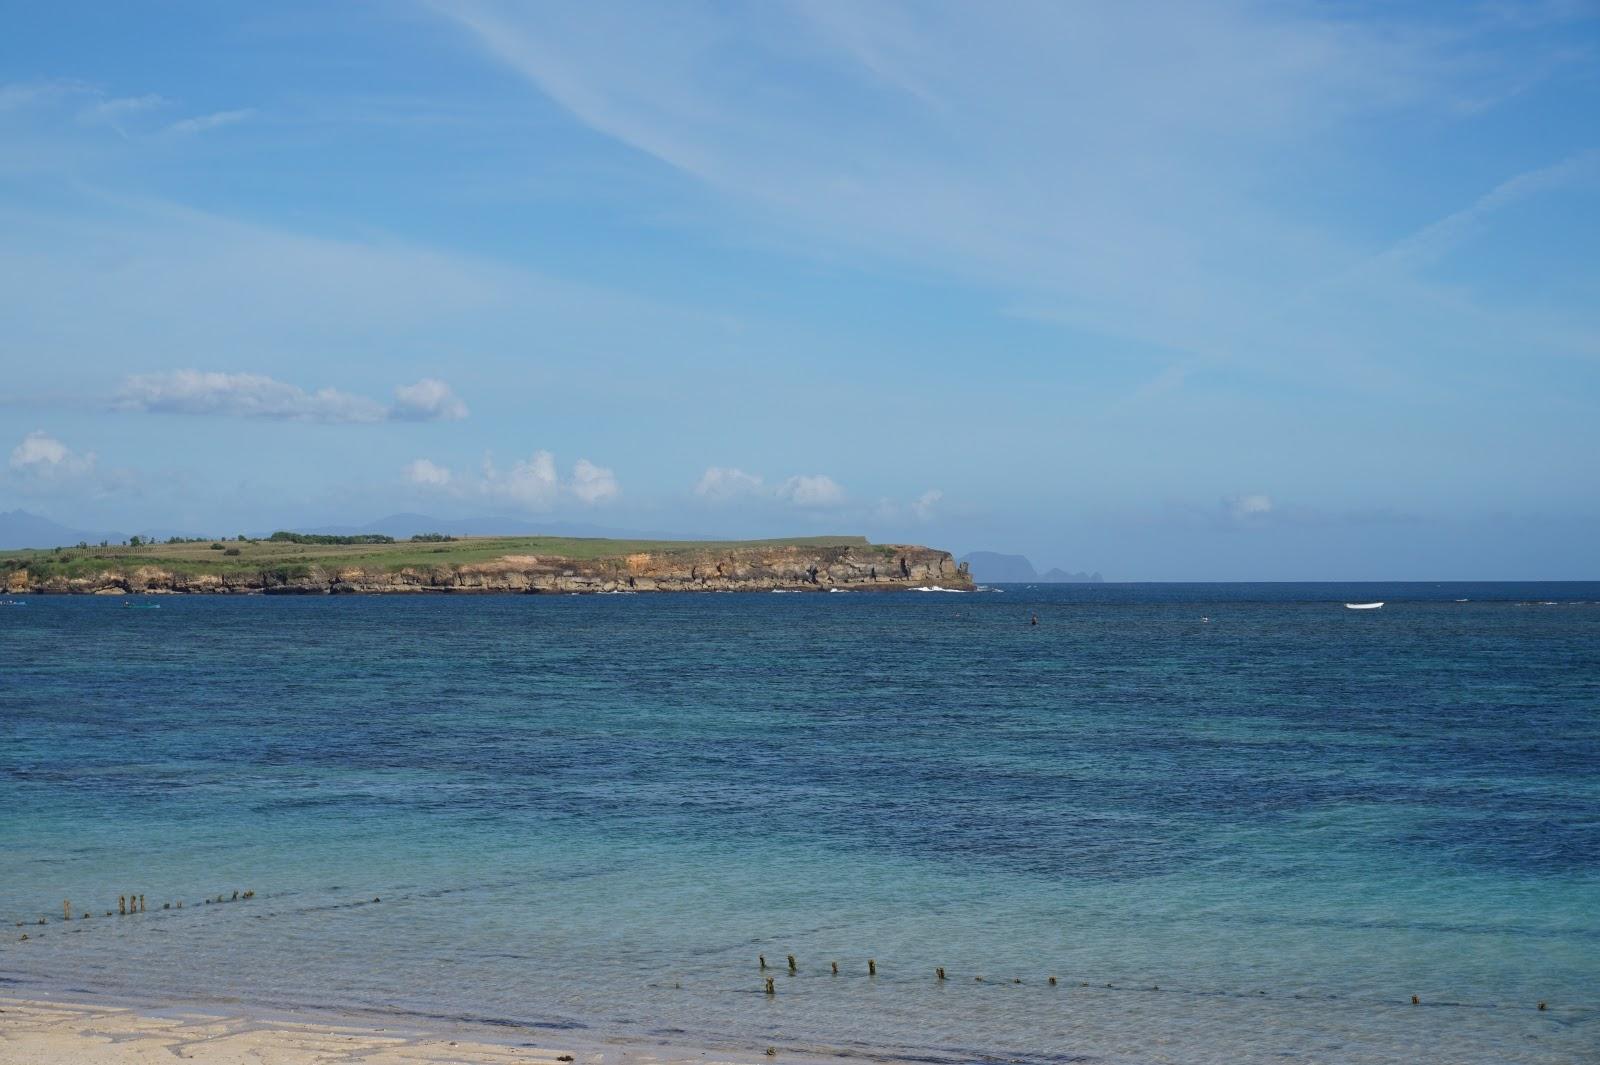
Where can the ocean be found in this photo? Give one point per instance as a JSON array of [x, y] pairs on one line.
[[1236, 823]]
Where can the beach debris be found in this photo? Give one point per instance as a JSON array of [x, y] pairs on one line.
[[24, 938], [1541, 1005], [791, 963], [978, 979], [771, 990], [940, 972], [872, 967], [772, 1052], [559, 1057], [1016, 979]]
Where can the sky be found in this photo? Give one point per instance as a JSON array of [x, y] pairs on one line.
[[1219, 291]]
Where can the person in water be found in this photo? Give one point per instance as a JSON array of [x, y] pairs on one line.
[[1034, 620]]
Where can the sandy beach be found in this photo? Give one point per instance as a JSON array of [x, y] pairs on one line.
[[33, 1032]]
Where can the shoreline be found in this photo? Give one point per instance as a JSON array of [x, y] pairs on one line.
[[43, 1030]]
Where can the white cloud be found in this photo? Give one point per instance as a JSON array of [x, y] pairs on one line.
[[1243, 507], [215, 120], [248, 395], [925, 504], [41, 455], [593, 484], [531, 483], [725, 482], [427, 473], [427, 400], [534, 483], [720, 484], [811, 490]]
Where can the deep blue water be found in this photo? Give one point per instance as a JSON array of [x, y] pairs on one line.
[[1247, 838]]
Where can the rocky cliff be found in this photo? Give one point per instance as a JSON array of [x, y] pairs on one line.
[[863, 567]]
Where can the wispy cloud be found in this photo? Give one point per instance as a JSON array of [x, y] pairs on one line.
[[203, 123], [247, 395], [1135, 171], [1244, 507], [116, 108]]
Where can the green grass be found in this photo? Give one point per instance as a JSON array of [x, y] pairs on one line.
[[261, 555]]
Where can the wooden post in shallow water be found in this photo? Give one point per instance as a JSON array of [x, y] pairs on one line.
[[836, 968], [1052, 981], [66, 909], [122, 905], [141, 903], [771, 990], [762, 958], [791, 963], [940, 972], [872, 967]]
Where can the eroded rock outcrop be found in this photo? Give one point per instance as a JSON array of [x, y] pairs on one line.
[[855, 567]]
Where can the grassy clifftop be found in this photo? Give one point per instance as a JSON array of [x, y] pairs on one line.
[[236, 557]]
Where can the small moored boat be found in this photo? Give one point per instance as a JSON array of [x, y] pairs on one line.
[[1362, 606]]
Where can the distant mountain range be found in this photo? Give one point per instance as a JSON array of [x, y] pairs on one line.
[[991, 567], [18, 528]]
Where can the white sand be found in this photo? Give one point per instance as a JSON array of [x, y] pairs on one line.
[[54, 1033]]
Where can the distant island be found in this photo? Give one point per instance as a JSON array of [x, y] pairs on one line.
[[995, 568], [289, 563]]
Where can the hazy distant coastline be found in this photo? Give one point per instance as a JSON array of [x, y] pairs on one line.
[[991, 567]]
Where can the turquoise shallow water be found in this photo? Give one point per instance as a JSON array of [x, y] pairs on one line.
[[1252, 838]]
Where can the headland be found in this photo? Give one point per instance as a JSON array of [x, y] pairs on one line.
[[295, 564]]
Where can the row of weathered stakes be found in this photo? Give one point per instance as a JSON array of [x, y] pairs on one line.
[[938, 974], [130, 904]]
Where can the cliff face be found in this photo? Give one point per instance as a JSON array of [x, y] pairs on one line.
[[788, 568]]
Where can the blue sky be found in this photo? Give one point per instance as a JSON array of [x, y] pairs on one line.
[[1167, 290]]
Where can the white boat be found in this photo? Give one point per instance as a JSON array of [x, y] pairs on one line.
[[1362, 606]]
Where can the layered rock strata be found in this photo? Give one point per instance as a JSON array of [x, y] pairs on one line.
[[886, 567]]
